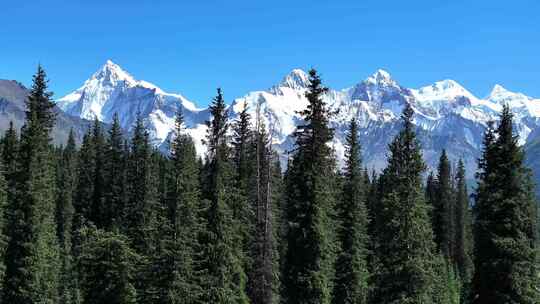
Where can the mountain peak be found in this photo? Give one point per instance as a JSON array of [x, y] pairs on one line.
[[380, 77], [498, 90], [111, 73], [447, 89], [297, 79]]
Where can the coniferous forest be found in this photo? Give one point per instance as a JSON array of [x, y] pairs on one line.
[[115, 221]]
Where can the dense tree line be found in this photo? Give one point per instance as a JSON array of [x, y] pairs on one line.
[[116, 221]]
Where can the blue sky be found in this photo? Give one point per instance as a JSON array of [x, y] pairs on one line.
[[194, 47]]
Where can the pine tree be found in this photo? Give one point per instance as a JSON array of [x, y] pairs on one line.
[[505, 221], [114, 187], [64, 219], [3, 217], [140, 222], [464, 238], [444, 210], [107, 268], [351, 268], [265, 191], [10, 148], [308, 265], [82, 201], [225, 277], [405, 270], [32, 260], [243, 204], [432, 200], [8, 164], [97, 207], [184, 284]]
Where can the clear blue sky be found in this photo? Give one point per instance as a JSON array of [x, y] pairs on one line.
[[248, 45]]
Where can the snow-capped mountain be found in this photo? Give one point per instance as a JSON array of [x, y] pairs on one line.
[[112, 90], [447, 115]]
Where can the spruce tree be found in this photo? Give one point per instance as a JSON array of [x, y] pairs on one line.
[[140, 221], [505, 221], [3, 217], [463, 237], [265, 191], [97, 207], [308, 265], [184, 284], [444, 210], [432, 200], [107, 266], [32, 255], [225, 276], [243, 157], [10, 148], [405, 270], [351, 265], [114, 173], [64, 219]]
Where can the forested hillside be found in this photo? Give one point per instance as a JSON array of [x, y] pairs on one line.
[[116, 221]]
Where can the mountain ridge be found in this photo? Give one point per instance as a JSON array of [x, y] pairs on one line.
[[447, 114]]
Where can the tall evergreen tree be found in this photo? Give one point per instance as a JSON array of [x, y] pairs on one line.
[[140, 222], [32, 255], [114, 187], [10, 148], [444, 210], [183, 252], [243, 205], [431, 199], [97, 207], [82, 202], [309, 260], [3, 217], [64, 219], [351, 282], [464, 238], [405, 249], [107, 268], [265, 191], [505, 221], [225, 277]]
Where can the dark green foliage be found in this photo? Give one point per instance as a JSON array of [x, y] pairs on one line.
[[446, 286], [182, 251], [311, 185], [140, 223], [97, 207], [225, 277], [444, 210], [3, 210], [505, 222], [351, 281], [114, 176], [464, 238], [32, 255], [121, 223], [265, 191], [66, 169], [246, 198], [10, 148], [107, 268], [405, 270]]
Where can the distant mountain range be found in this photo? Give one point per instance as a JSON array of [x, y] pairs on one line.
[[12, 108], [447, 117]]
